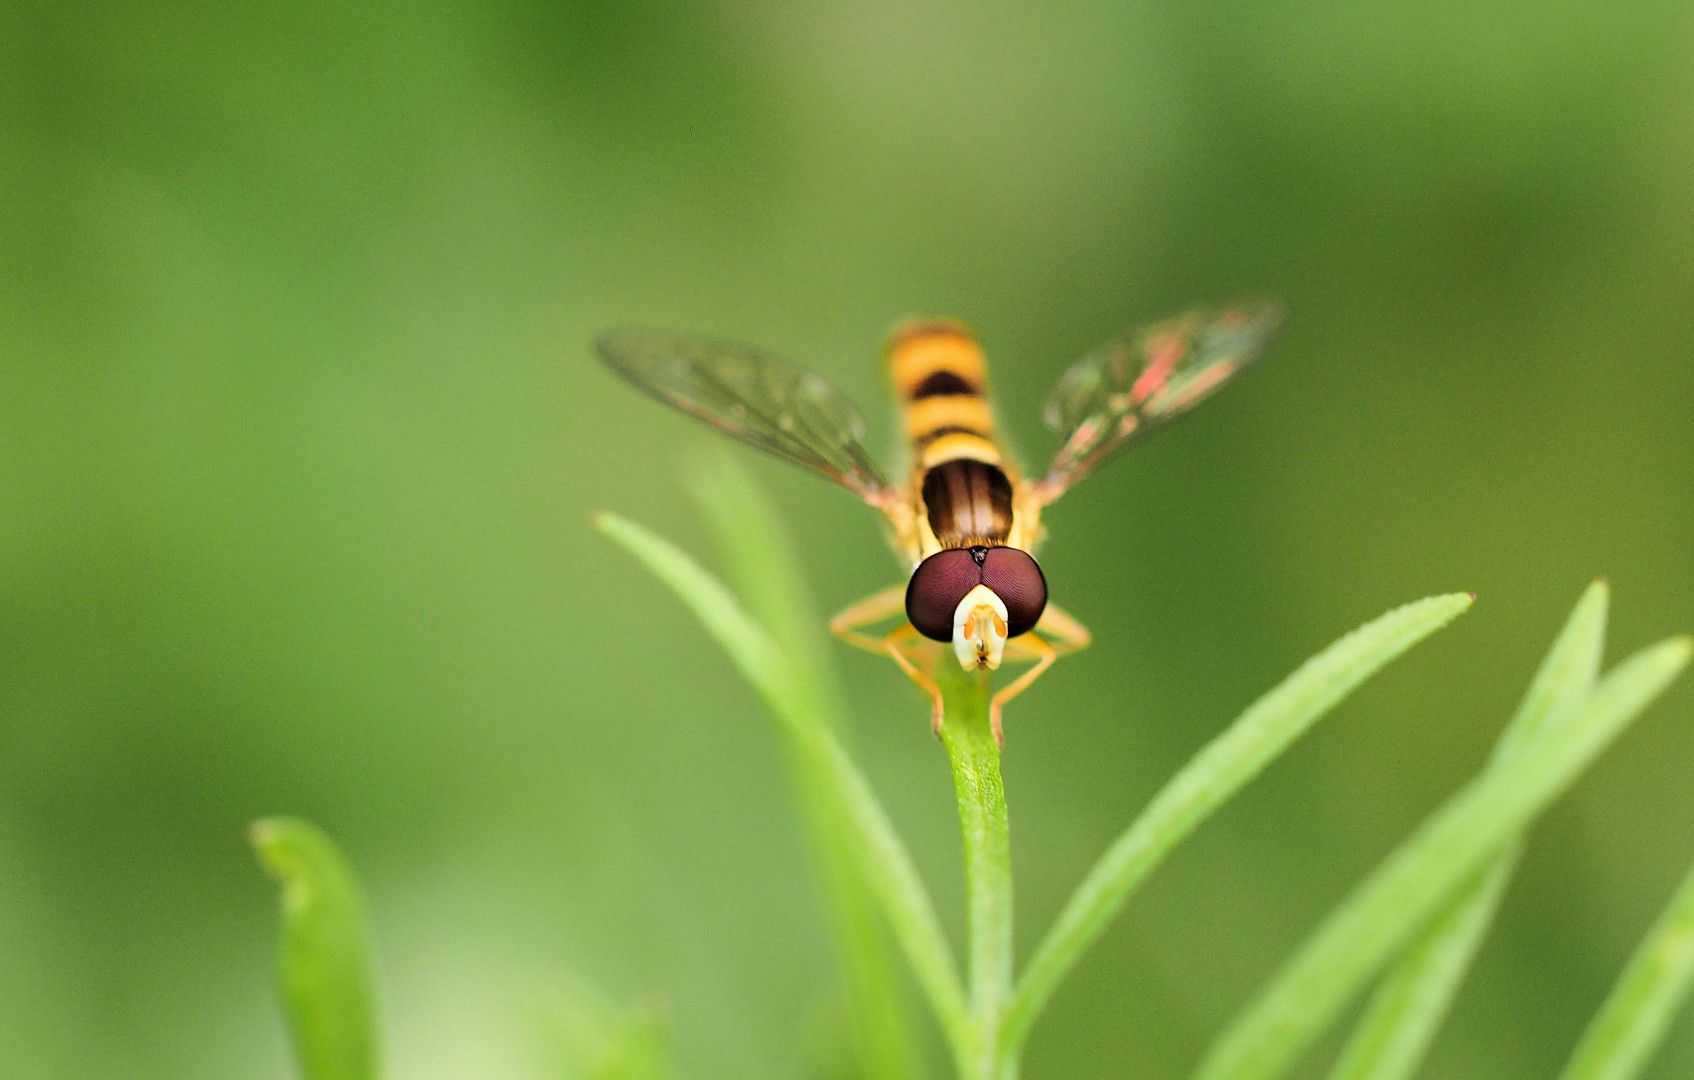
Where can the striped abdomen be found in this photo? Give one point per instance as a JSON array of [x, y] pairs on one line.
[[940, 377]]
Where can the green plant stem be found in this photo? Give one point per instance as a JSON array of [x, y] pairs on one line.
[[988, 860]]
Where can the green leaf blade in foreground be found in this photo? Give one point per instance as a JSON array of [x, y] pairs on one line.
[[754, 546], [1637, 1013], [324, 954], [1210, 779], [1380, 916], [1391, 1038], [761, 568], [883, 858]]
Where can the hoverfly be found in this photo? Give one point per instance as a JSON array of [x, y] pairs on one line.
[[966, 521]]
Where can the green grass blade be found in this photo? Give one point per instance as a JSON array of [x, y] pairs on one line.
[[1636, 1014], [324, 954], [759, 560], [1566, 676], [1383, 914], [882, 856], [1392, 1036], [761, 567], [1216, 773]]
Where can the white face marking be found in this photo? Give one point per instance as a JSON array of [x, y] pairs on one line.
[[979, 629]]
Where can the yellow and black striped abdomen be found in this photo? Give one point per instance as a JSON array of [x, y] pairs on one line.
[[941, 379]]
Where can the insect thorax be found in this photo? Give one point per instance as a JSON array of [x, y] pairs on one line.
[[968, 502]]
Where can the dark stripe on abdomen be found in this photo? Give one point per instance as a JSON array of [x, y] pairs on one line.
[[941, 383], [968, 502], [952, 429]]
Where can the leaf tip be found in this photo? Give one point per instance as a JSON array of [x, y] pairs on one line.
[[1668, 657], [1455, 603], [269, 837], [614, 526], [1681, 648]]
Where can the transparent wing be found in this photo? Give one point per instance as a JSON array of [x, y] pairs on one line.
[[1137, 381], [755, 396]]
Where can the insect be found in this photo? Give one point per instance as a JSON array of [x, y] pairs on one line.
[[965, 520]]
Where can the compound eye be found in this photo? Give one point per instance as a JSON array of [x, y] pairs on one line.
[[937, 586], [1020, 585]]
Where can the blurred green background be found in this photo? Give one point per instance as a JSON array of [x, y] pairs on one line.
[[299, 438]]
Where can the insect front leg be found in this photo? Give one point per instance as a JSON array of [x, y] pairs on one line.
[[1028, 647], [903, 640], [1061, 626], [896, 644], [1070, 636], [872, 609]]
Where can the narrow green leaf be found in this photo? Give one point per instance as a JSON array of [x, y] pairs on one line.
[[1216, 773], [1390, 1039], [759, 558], [1635, 1016], [1392, 1036], [882, 856], [1566, 676], [1387, 909], [761, 567], [324, 955]]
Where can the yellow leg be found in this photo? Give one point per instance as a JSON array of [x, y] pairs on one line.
[[1058, 623], [1071, 636], [1044, 655], [885, 605], [1068, 634], [892, 643], [872, 609]]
